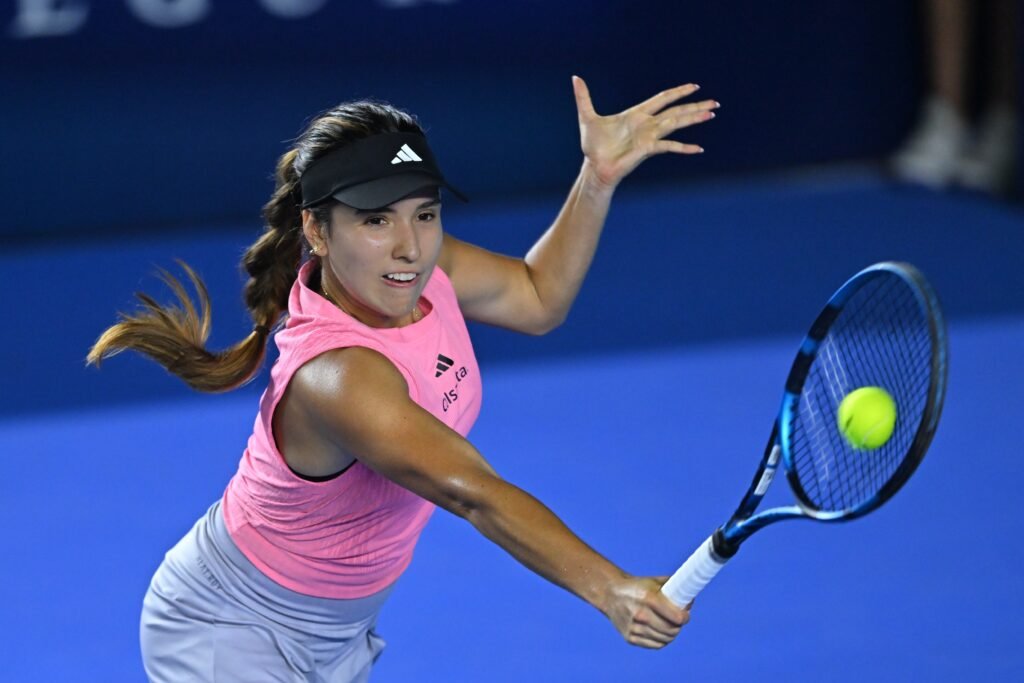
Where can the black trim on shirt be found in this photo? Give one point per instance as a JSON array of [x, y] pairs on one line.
[[324, 477]]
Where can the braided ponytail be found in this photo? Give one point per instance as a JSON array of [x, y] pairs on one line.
[[273, 260], [175, 335]]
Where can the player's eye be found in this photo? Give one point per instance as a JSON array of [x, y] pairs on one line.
[[427, 216], [376, 220]]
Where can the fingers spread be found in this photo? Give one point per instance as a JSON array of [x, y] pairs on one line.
[[584, 106], [666, 97], [690, 108], [669, 123], [689, 112], [674, 147]]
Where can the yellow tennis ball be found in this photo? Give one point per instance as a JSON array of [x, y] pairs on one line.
[[867, 417]]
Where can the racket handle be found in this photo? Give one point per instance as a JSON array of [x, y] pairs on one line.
[[690, 579]]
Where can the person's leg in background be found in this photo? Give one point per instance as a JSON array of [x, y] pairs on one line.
[[932, 153], [990, 163]]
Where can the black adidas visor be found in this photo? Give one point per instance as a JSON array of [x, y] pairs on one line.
[[374, 172]]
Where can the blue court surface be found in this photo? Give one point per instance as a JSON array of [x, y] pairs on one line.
[[643, 450]]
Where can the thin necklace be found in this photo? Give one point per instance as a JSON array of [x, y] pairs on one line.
[[323, 291]]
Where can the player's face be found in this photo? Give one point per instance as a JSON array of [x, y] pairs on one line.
[[379, 261]]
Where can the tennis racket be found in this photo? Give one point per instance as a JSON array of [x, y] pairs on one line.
[[882, 328]]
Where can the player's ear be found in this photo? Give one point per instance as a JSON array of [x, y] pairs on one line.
[[314, 232]]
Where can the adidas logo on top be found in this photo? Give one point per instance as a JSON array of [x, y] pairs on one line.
[[444, 363], [406, 154]]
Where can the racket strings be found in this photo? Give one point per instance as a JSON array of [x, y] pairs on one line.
[[880, 338], [864, 474]]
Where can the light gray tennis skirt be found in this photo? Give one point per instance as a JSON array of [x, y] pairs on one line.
[[210, 615]]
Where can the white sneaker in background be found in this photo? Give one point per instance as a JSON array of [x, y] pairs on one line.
[[932, 154], [989, 163]]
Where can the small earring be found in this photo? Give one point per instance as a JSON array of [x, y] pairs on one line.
[[316, 250]]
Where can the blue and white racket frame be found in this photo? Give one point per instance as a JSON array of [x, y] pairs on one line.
[[705, 562]]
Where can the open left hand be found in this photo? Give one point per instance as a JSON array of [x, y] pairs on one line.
[[616, 144]]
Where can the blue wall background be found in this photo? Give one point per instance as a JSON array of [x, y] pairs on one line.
[[121, 126], [128, 145]]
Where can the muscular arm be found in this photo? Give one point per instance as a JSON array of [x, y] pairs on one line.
[[359, 402]]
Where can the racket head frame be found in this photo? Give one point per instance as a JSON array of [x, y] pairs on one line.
[[928, 302], [711, 556], [744, 522]]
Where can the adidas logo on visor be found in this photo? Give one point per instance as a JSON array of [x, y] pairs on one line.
[[406, 154]]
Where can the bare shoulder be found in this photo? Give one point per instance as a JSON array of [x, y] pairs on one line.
[[345, 381], [360, 403], [328, 407]]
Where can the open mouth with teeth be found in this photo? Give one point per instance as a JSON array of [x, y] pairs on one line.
[[400, 277]]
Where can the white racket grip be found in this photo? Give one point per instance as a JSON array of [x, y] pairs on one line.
[[690, 579]]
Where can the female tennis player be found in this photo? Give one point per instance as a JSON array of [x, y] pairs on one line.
[[361, 431]]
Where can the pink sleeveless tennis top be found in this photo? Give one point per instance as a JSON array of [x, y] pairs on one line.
[[353, 535]]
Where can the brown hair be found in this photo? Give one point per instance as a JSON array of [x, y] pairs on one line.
[[175, 335]]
